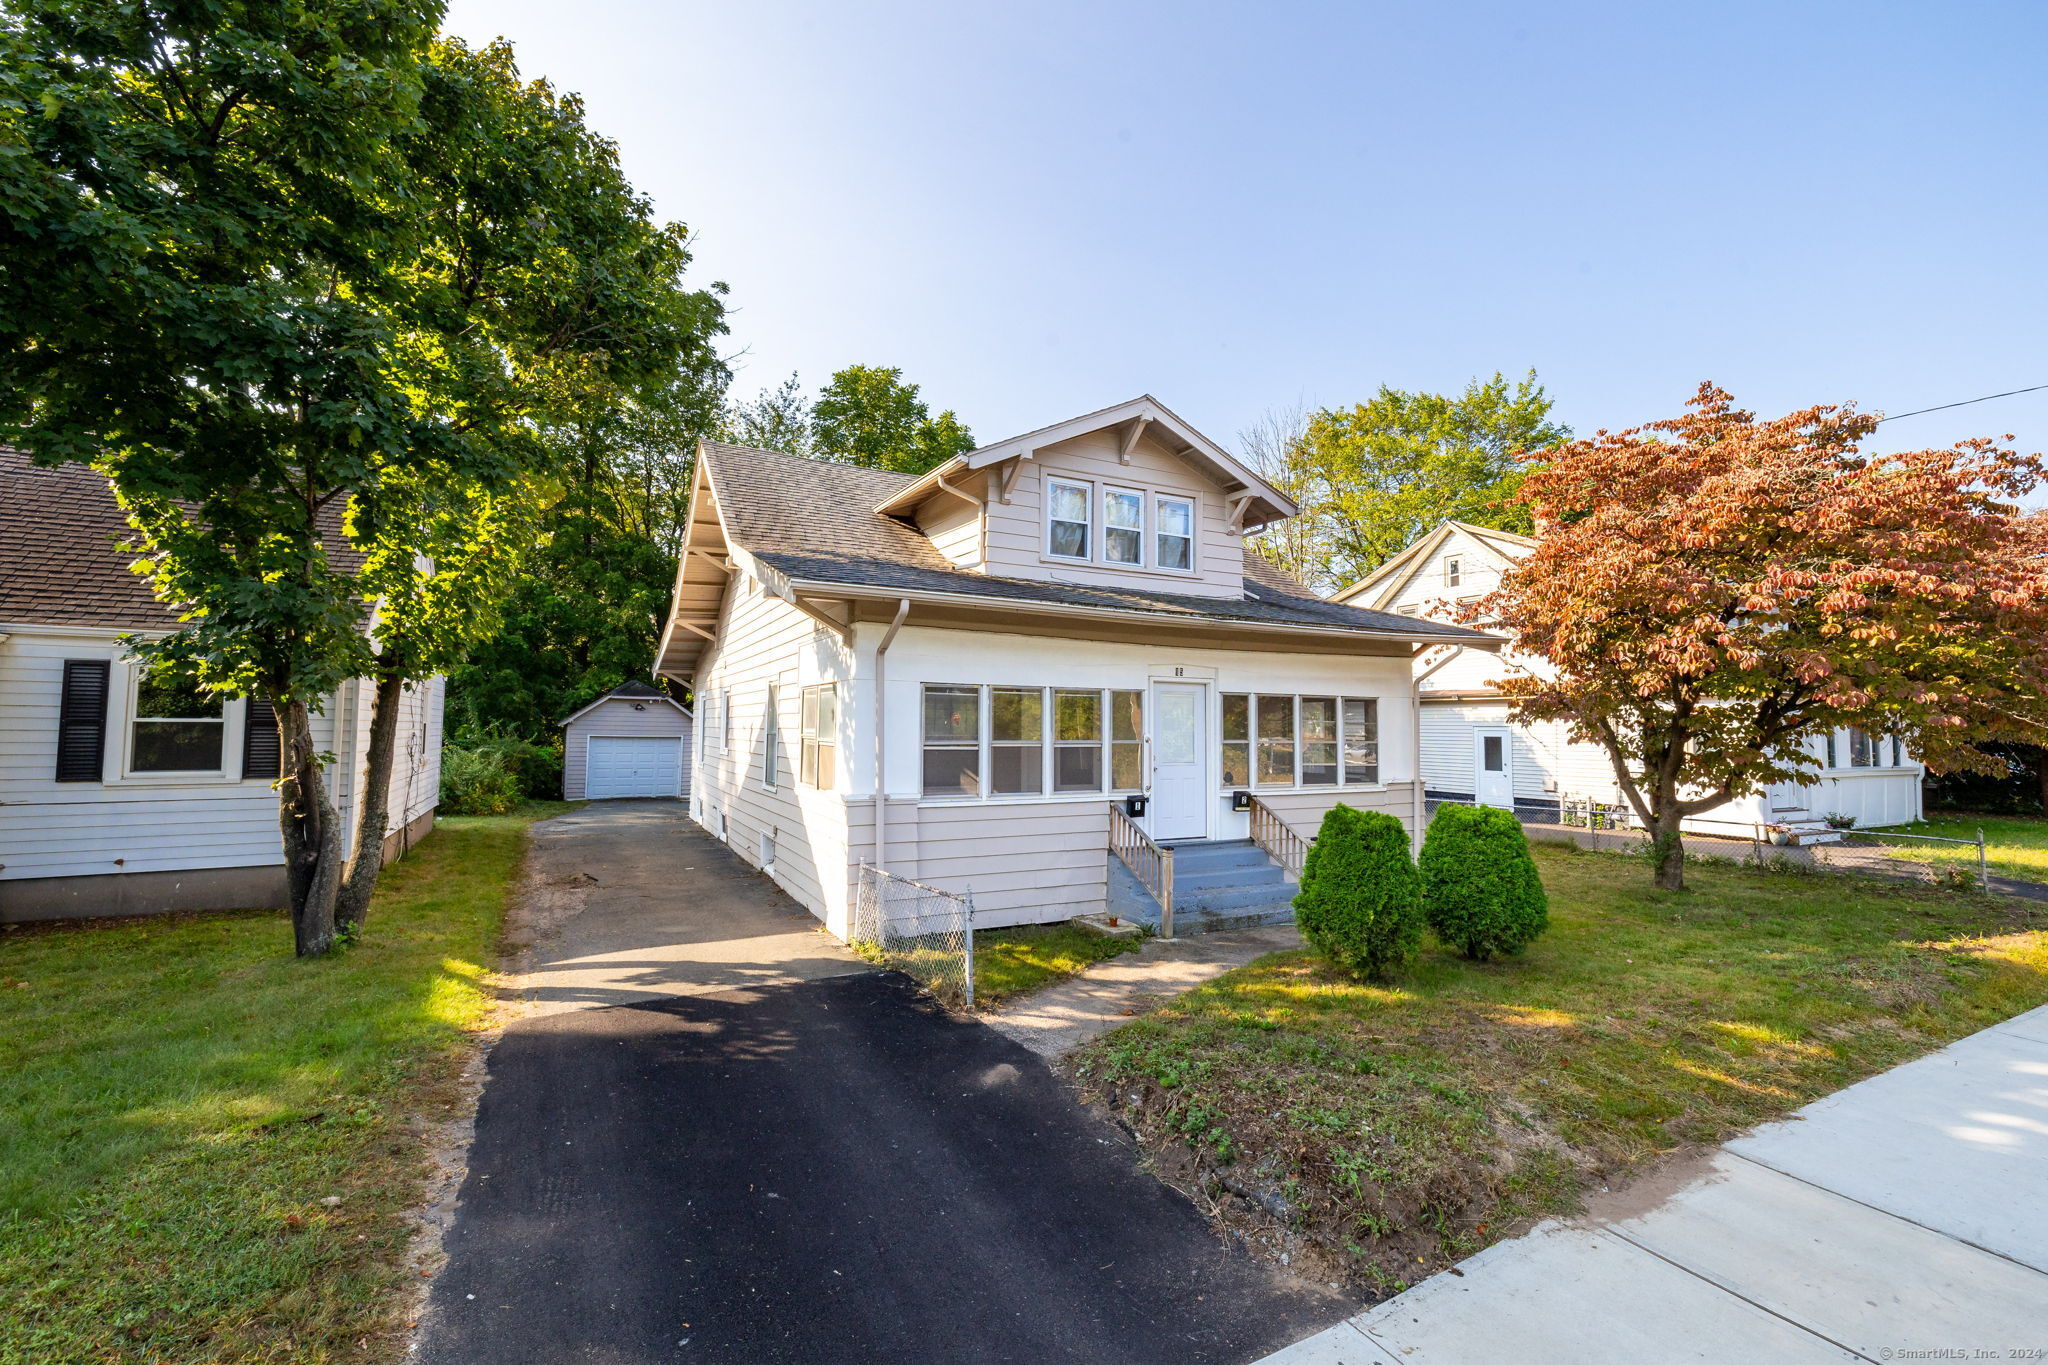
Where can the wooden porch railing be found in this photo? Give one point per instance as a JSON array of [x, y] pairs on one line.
[[1149, 861], [1278, 838]]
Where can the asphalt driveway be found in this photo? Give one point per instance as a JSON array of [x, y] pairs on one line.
[[694, 1154]]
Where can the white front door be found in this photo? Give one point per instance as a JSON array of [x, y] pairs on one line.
[[1180, 769], [1493, 766]]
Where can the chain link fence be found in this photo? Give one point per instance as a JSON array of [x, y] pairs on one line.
[[1892, 854], [921, 931]]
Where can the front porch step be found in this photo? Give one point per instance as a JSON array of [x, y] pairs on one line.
[[1217, 886]]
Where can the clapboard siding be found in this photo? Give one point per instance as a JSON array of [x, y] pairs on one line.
[[54, 829], [1303, 811], [763, 640], [1023, 864], [953, 525], [615, 718]]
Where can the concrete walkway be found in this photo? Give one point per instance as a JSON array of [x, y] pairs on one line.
[[1058, 1019], [1903, 1218]]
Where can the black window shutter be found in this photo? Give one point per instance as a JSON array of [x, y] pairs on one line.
[[259, 741], [82, 721]]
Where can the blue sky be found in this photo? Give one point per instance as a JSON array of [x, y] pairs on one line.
[[1037, 210]]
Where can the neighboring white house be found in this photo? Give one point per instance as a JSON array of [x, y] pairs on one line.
[[632, 741], [121, 797], [1021, 642], [1470, 750]]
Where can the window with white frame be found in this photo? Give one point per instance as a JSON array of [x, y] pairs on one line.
[[771, 738], [1069, 513], [175, 728], [1174, 519], [818, 742], [1284, 740], [1008, 741], [1863, 749], [1016, 741], [1123, 526], [1454, 572]]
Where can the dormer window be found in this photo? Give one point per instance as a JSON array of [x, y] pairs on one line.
[[1068, 510], [1176, 522], [1453, 572], [1123, 526]]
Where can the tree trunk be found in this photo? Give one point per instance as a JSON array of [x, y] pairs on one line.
[[312, 835], [1667, 847], [373, 811]]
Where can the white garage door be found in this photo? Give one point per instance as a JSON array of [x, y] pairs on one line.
[[633, 767]]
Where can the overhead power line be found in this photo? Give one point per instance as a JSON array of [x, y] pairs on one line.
[[1942, 407]]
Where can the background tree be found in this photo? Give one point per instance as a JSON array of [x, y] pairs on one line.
[[1713, 591], [1301, 544], [304, 287], [1375, 476], [590, 603], [773, 419], [868, 416]]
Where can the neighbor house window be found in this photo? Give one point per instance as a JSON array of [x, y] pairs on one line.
[[1862, 749], [952, 741], [1453, 572], [1318, 741], [771, 739], [1898, 757], [1123, 526], [1077, 742], [1361, 741], [1176, 523], [1237, 739], [176, 729], [1832, 755], [818, 754], [1067, 506], [1016, 739]]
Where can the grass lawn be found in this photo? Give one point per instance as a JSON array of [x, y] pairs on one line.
[[181, 1094], [1379, 1132], [2014, 845], [1009, 962]]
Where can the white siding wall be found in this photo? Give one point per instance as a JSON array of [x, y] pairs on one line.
[[953, 525], [1017, 529], [615, 718], [762, 639], [150, 824]]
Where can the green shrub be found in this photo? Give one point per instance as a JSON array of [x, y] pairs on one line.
[[1360, 901], [1480, 890], [477, 780]]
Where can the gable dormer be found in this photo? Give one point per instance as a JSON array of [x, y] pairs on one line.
[[1129, 496], [1455, 564]]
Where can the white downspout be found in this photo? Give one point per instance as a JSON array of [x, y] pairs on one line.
[[1415, 738], [881, 750]]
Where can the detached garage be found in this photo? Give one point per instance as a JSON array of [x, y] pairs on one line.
[[632, 741]]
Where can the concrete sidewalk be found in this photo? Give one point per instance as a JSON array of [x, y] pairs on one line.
[[1902, 1218], [1061, 1017]]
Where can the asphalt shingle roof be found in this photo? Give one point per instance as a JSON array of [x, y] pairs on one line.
[[58, 561], [814, 520]]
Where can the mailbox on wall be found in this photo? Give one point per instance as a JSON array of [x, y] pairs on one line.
[[1134, 806], [1240, 800]]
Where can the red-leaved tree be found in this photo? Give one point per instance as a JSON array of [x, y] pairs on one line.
[[1709, 592]]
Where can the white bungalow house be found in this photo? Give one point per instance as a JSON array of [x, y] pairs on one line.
[[1042, 647], [1470, 750], [121, 796]]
